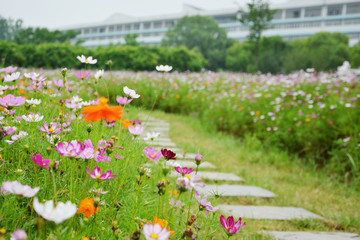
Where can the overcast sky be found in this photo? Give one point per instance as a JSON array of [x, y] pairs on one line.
[[60, 13]]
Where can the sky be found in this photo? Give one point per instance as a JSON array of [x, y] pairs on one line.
[[62, 13]]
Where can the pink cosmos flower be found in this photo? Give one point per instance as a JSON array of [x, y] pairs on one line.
[[118, 157], [184, 170], [97, 174], [151, 154], [82, 76], [18, 137], [11, 101], [155, 232], [137, 130], [60, 83], [97, 154], [123, 100], [229, 225], [189, 182], [70, 149], [38, 159], [10, 69], [19, 234], [99, 191], [17, 188], [205, 205], [52, 129]]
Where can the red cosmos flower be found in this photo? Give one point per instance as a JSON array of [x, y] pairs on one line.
[[168, 154]]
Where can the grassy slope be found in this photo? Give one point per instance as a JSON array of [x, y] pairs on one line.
[[294, 183]]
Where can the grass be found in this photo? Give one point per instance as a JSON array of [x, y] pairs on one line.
[[295, 184]]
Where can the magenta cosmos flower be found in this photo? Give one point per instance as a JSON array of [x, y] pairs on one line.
[[151, 154], [229, 225], [123, 100], [97, 174], [82, 76], [11, 101], [18, 189], [205, 205], [38, 159], [50, 129], [184, 170], [70, 149]]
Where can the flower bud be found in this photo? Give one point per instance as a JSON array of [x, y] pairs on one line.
[[191, 220], [63, 72], [48, 150], [117, 232], [114, 224], [89, 128], [166, 170], [198, 158]]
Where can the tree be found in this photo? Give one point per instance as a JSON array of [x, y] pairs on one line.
[[9, 27], [257, 18], [130, 39], [201, 33], [43, 35]]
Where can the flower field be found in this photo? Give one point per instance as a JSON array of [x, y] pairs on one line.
[[313, 115], [72, 166]]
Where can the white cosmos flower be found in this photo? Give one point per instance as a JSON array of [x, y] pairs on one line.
[[32, 117], [99, 74], [151, 136], [33, 101], [17, 188], [58, 214], [130, 92], [88, 60], [163, 68], [32, 75], [12, 77], [2, 88]]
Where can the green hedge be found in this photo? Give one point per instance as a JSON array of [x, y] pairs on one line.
[[137, 58]]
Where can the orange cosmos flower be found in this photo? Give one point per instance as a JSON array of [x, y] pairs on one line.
[[162, 223], [102, 111], [87, 207], [126, 124]]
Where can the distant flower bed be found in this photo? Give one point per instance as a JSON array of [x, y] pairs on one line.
[[315, 115]]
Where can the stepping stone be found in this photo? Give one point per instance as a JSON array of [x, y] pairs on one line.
[[188, 164], [190, 156], [267, 212], [236, 190], [160, 139], [191, 164], [313, 235], [216, 176], [162, 144], [148, 118], [155, 124]]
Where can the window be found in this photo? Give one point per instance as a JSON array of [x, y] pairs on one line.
[[86, 31], [147, 25], [158, 24], [353, 8], [352, 21], [119, 28], [127, 27], [94, 30], [102, 29], [169, 23], [111, 28], [333, 23], [334, 10], [278, 14], [293, 13], [313, 12], [136, 26]]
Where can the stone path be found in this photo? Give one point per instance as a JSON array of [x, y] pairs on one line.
[[255, 212]]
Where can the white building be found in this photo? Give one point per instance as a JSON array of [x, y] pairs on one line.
[[294, 19]]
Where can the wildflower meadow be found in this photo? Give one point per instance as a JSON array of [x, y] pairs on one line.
[[74, 167]]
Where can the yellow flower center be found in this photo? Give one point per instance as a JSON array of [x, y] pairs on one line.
[[97, 176], [99, 190], [82, 76], [2, 231], [152, 156], [86, 60], [69, 153], [103, 101], [154, 235], [51, 130], [188, 176]]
